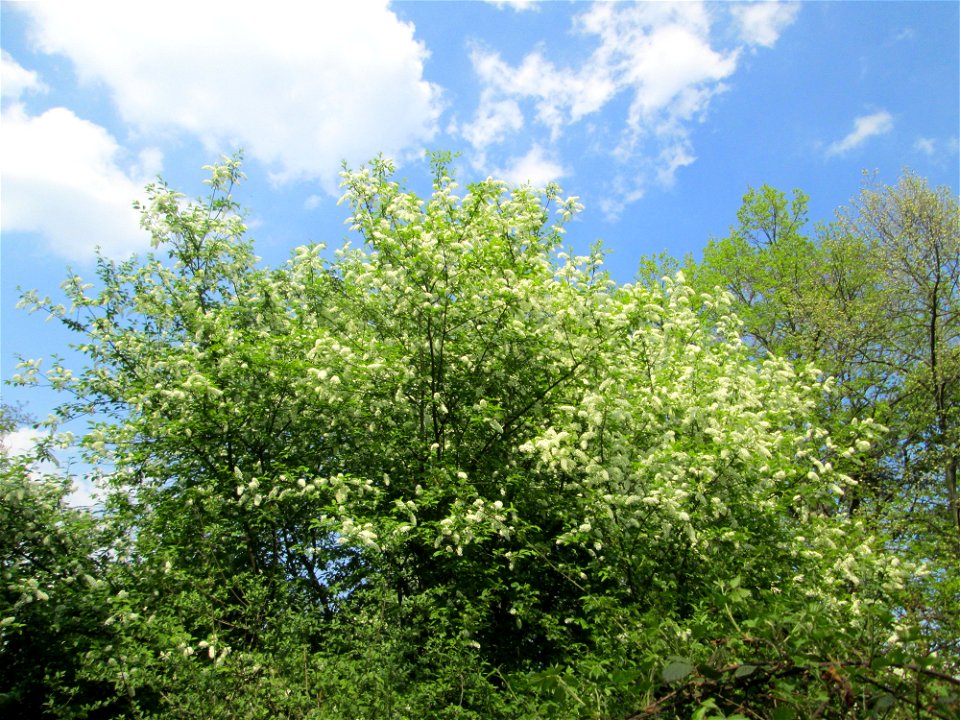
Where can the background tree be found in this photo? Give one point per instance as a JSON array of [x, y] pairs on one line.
[[871, 301], [912, 234]]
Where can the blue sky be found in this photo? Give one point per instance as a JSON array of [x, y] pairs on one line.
[[658, 116]]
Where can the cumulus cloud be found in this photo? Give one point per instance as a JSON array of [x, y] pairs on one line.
[[660, 55], [657, 59], [298, 86], [64, 178], [760, 23], [535, 168], [864, 128], [16, 80]]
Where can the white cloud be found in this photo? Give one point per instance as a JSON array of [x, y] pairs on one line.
[[658, 56], [517, 5], [674, 75], [16, 80], [495, 119], [560, 95], [672, 158], [926, 145], [940, 150], [300, 86], [84, 494], [62, 178], [760, 23], [864, 128], [535, 168], [908, 33], [23, 442]]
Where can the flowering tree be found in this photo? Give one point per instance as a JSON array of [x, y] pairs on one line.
[[456, 471]]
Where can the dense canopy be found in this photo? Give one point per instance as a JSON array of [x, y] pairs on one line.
[[457, 471]]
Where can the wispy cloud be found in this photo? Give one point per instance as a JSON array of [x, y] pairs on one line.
[[300, 89], [927, 146], [939, 150], [496, 118], [656, 59], [661, 58], [864, 128], [517, 5], [560, 96], [907, 33]]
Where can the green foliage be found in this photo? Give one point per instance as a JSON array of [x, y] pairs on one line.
[[457, 472], [51, 558], [874, 302]]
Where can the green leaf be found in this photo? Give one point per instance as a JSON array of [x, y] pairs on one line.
[[884, 703], [784, 712], [677, 670], [709, 671], [624, 677]]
